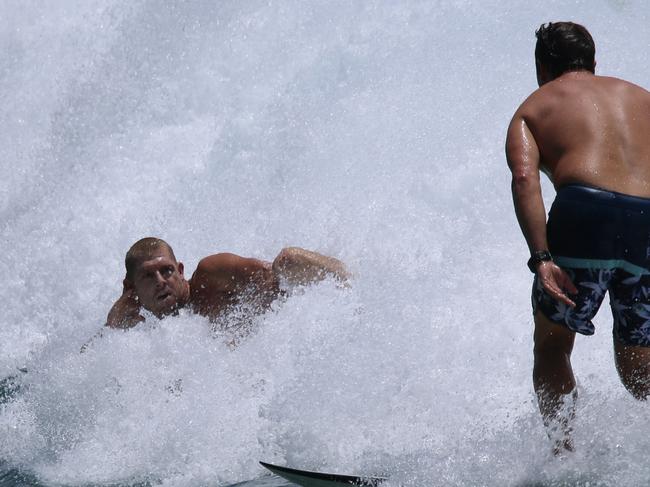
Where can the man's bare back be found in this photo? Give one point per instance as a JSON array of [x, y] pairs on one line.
[[592, 130]]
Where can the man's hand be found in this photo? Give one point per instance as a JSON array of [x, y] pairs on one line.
[[556, 282], [125, 313], [300, 267]]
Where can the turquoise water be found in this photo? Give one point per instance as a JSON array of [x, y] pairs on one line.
[[12, 478], [368, 130]]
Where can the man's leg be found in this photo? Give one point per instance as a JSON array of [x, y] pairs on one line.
[[553, 379], [633, 365]]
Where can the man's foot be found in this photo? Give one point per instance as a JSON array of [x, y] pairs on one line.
[[559, 424], [560, 447]]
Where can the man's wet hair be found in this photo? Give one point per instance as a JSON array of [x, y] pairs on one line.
[[565, 46], [142, 250]]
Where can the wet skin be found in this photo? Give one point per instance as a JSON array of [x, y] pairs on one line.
[[159, 284], [585, 129], [219, 281]]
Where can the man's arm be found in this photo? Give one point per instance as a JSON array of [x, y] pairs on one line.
[[299, 266], [125, 313], [523, 158]]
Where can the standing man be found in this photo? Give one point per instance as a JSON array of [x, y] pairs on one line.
[[591, 135]]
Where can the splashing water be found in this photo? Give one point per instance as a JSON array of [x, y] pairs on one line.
[[371, 131]]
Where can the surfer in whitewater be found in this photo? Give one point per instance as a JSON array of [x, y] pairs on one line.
[[590, 135], [155, 281]]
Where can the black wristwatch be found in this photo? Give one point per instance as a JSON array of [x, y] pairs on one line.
[[537, 257]]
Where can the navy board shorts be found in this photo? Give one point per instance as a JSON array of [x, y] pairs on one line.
[[602, 240]]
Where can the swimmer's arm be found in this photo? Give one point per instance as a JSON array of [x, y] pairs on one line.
[[522, 154], [125, 313], [299, 266]]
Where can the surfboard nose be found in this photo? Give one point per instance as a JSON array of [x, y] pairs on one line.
[[308, 478]]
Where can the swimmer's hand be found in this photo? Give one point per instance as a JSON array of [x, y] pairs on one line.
[[125, 313], [556, 282]]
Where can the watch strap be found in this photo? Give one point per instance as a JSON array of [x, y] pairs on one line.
[[537, 257]]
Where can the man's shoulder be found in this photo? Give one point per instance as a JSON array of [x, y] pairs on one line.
[[219, 259], [552, 95], [215, 272], [628, 86], [530, 105], [219, 262], [613, 79], [227, 263]]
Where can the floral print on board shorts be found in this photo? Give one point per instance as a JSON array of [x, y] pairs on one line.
[[602, 240]]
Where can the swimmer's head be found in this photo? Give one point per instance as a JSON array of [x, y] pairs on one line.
[[156, 277], [142, 250]]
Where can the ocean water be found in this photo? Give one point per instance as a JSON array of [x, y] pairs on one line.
[[368, 130]]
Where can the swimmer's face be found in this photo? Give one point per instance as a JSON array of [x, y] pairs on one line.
[[159, 283]]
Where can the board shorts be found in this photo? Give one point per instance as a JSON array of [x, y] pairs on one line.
[[602, 240]]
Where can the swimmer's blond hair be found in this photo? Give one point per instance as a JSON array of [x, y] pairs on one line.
[[141, 251]]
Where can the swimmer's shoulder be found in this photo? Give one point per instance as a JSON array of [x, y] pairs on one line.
[[224, 268]]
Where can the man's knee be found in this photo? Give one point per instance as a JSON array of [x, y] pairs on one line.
[[551, 338], [633, 366], [637, 384]]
